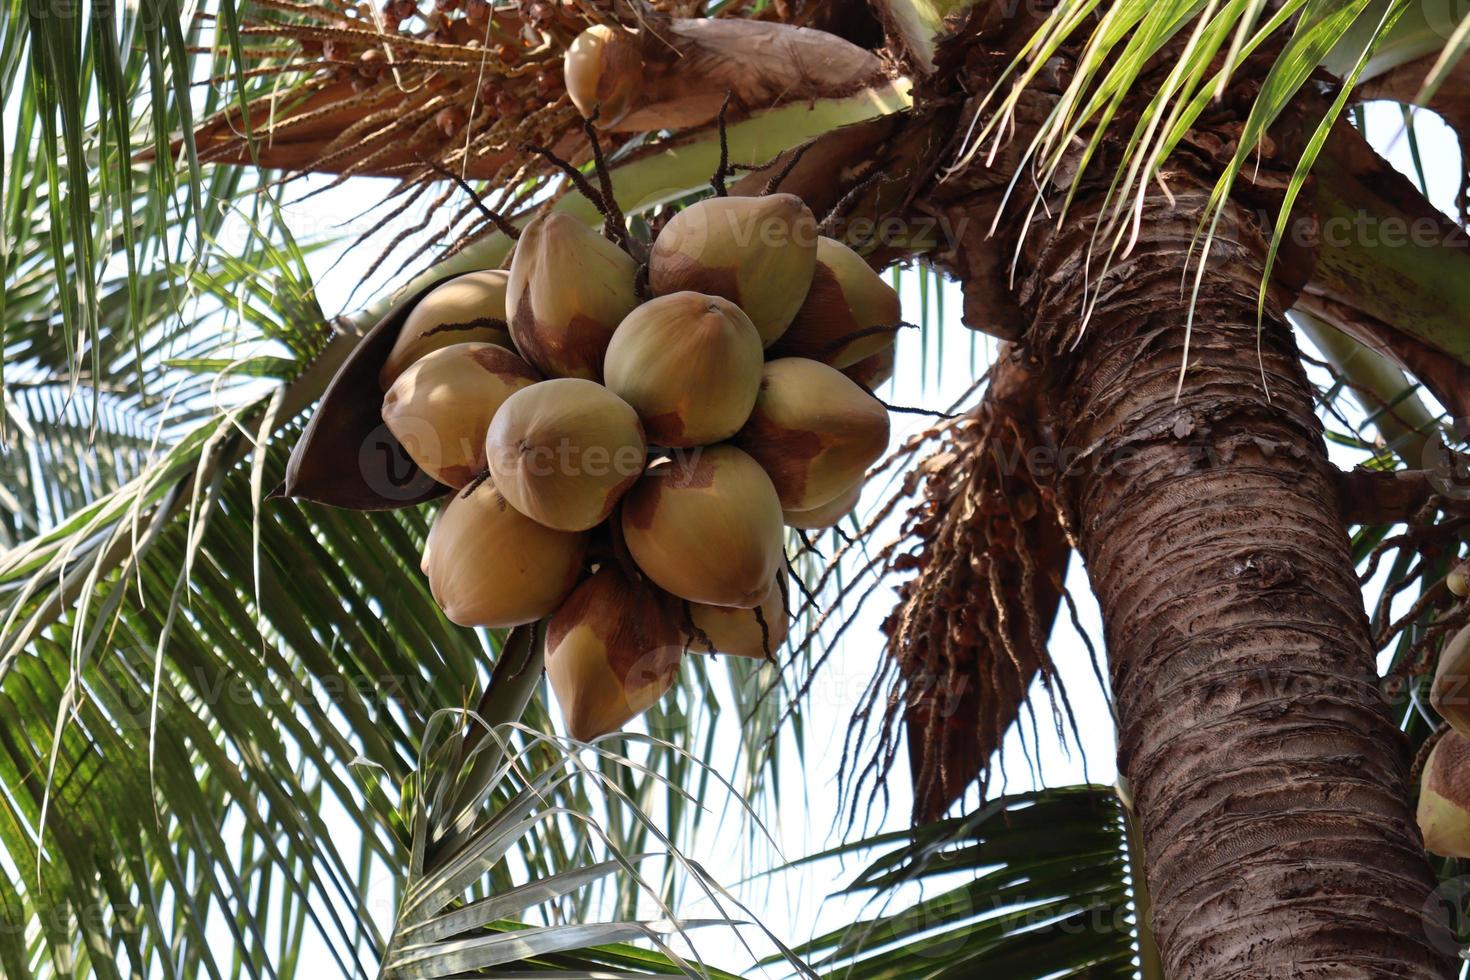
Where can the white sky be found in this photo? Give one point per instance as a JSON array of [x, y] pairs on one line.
[[795, 904]]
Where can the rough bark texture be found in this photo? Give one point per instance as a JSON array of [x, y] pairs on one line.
[[1267, 777]]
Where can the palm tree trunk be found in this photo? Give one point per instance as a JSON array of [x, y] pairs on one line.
[[1267, 777]]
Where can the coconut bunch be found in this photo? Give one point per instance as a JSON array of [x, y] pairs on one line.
[[627, 441]]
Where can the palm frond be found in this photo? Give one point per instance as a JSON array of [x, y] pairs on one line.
[[1031, 885], [462, 910]]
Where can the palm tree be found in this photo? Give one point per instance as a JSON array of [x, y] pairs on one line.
[[1140, 199]]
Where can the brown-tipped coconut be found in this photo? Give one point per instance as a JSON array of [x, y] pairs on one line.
[[469, 309], [757, 252], [1450, 692], [1444, 797], [689, 364], [603, 70], [873, 370], [827, 515], [850, 312], [738, 632], [568, 290], [563, 451], [1458, 580], [441, 406], [706, 526], [814, 430], [490, 565], [612, 650]]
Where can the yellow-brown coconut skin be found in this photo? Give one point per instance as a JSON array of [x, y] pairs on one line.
[[612, 650], [706, 526], [827, 515], [1458, 580], [1444, 797], [737, 632], [873, 370], [757, 252], [689, 364], [603, 70], [568, 290], [469, 309], [1450, 692], [490, 565], [441, 406], [846, 304], [814, 431], [563, 452]]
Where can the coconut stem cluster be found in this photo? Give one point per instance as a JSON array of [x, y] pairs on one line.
[[627, 470]]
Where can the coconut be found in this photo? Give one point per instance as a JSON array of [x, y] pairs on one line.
[[603, 70], [441, 406], [706, 526], [850, 312], [827, 515], [757, 252], [564, 451], [612, 650], [467, 309], [1458, 580], [873, 370], [814, 430], [490, 565], [568, 290], [1444, 797], [739, 632], [1450, 692], [689, 364]]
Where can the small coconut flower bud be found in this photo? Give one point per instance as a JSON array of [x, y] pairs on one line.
[[603, 71]]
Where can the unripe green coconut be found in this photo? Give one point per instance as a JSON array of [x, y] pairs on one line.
[[612, 650], [563, 452], [603, 70], [849, 314], [689, 364], [1444, 797], [440, 407], [469, 309], [814, 430], [568, 290], [757, 252], [706, 526], [490, 565], [739, 632], [827, 515], [1450, 692]]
